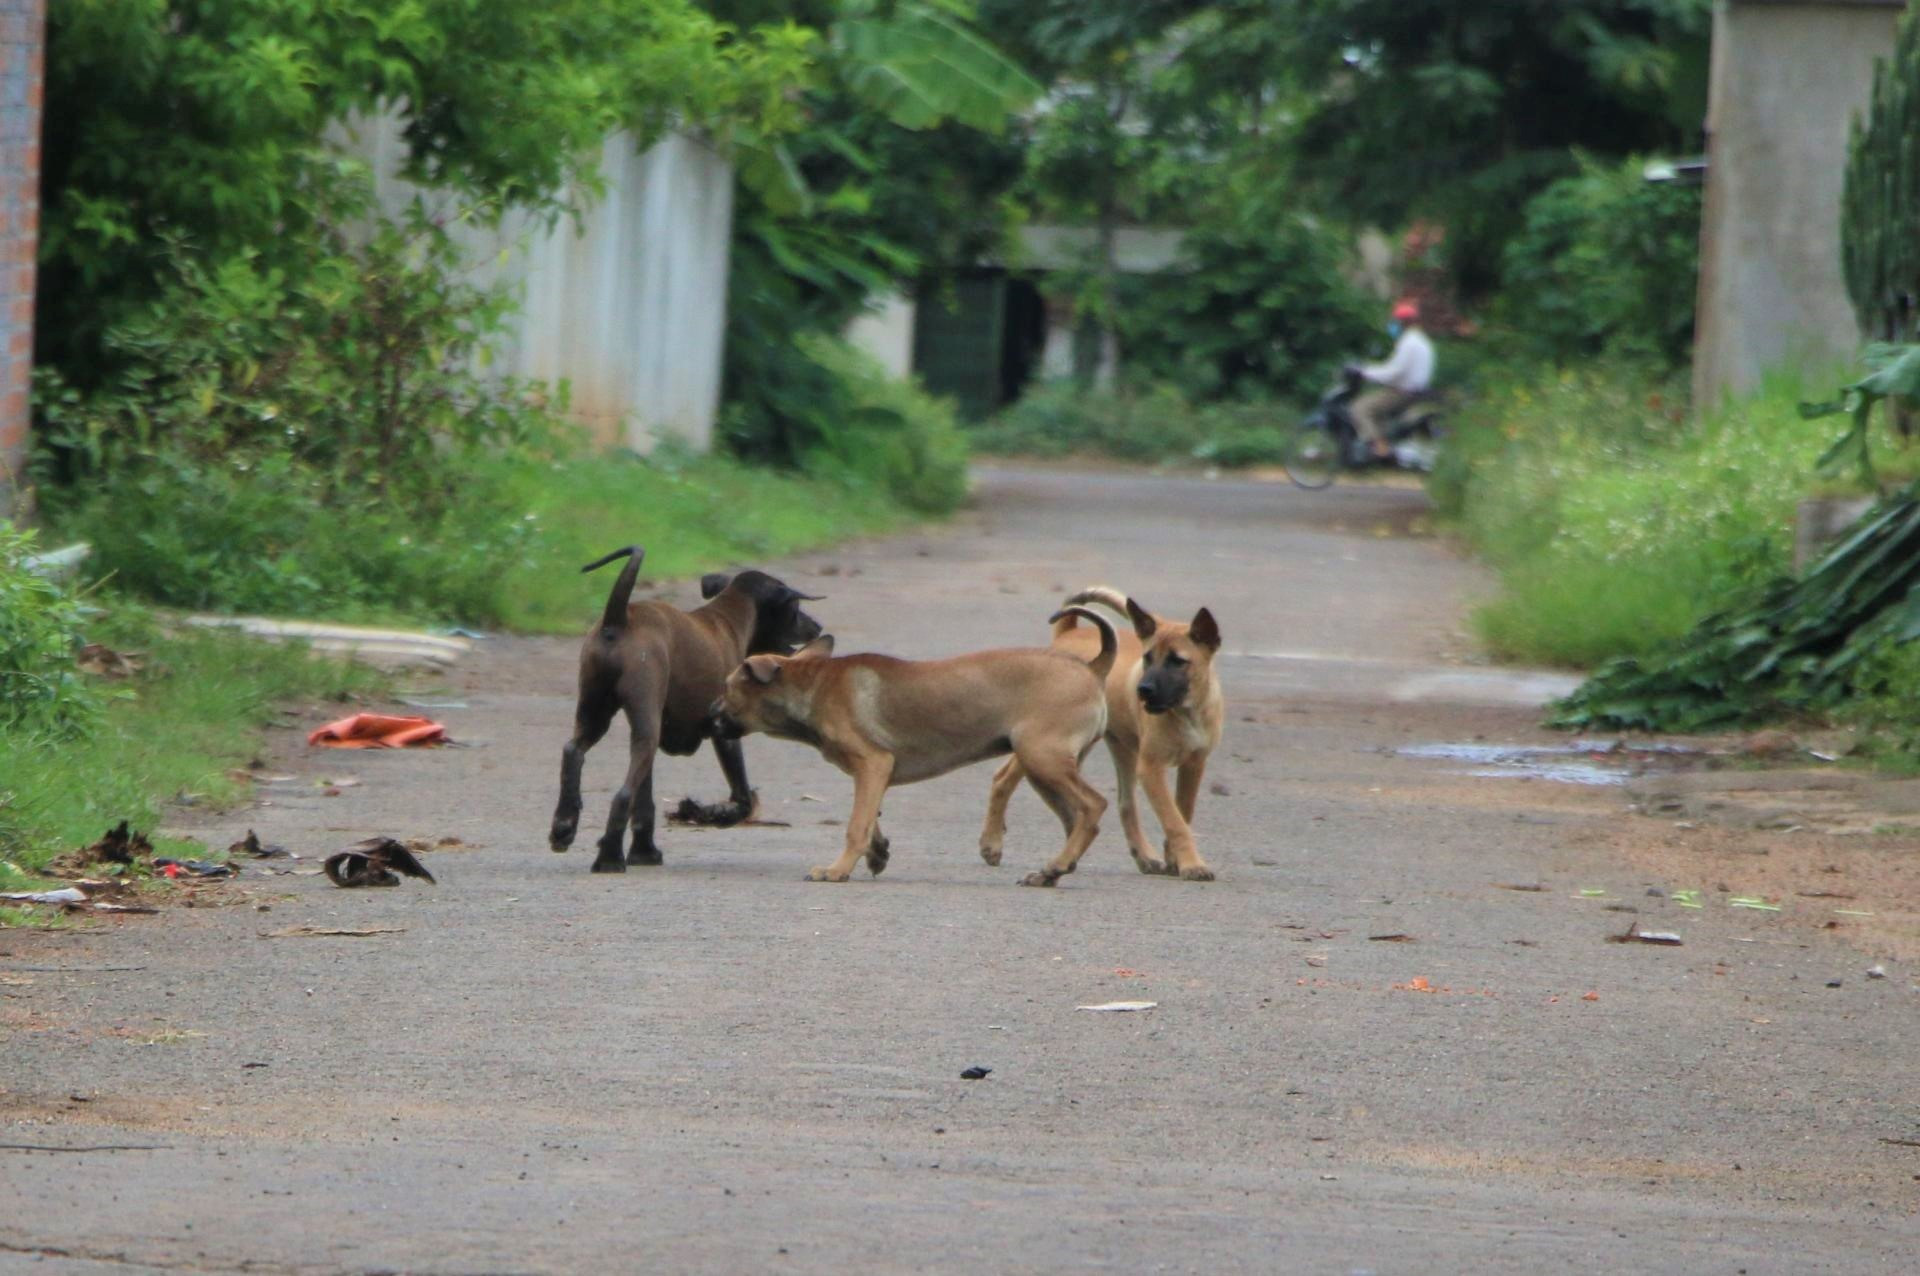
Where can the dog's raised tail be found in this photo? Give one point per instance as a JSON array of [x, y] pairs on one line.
[[1105, 595], [1101, 664], [614, 619]]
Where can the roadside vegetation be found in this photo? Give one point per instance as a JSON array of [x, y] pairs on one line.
[[80, 752]]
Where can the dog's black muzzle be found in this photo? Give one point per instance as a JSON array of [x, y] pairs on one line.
[[1157, 699]]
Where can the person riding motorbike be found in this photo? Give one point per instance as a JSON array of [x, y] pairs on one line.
[[1396, 383]]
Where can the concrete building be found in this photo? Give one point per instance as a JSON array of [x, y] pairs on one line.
[[629, 306], [22, 32], [1787, 77]]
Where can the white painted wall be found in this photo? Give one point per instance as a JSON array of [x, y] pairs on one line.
[[628, 304], [885, 331]]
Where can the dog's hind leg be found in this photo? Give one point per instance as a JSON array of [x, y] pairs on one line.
[[1124, 763], [639, 781], [993, 834], [1060, 783], [589, 725], [644, 849]]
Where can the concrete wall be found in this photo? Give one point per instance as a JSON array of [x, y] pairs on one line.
[[1786, 80], [885, 331], [22, 28], [630, 306]]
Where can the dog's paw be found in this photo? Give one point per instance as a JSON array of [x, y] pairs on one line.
[[991, 854], [610, 866], [824, 874], [1040, 878], [560, 836], [648, 857], [1151, 867], [558, 847], [1196, 873]]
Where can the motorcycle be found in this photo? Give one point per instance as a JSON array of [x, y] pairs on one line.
[[1328, 441]]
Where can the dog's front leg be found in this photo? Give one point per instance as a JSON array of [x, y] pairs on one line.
[[640, 751], [1183, 857], [1126, 776], [871, 775]]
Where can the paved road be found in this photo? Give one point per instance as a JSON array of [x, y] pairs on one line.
[[718, 1067]]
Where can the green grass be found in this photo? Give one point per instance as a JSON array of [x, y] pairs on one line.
[[1154, 426], [1615, 520], [506, 554], [193, 714], [693, 515]]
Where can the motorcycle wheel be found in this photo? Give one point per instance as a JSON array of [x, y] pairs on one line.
[[1312, 457]]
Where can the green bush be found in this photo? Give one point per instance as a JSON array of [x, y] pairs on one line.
[[1264, 310], [1152, 426], [299, 436], [41, 692], [889, 433], [1607, 262], [1614, 522]]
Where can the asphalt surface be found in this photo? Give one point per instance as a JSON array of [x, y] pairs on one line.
[[715, 1066]]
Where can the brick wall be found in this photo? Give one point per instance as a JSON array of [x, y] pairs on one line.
[[22, 27]]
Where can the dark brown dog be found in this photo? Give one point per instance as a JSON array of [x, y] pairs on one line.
[[664, 667]]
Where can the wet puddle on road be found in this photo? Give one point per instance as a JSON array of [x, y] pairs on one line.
[[1590, 762]]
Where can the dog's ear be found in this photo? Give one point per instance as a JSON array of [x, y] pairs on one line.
[[713, 583], [1205, 630], [819, 649], [764, 670], [806, 598], [1143, 622]]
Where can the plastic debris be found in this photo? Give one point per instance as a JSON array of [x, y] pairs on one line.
[[1688, 899], [297, 932], [1121, 1007], [975, 1073], [252, 845], [1633, 935], [1876, 972], [378, 861], [1519, 886], [1397, 937], [193, 868], [1753, 902], [66, 895], [378, 731]]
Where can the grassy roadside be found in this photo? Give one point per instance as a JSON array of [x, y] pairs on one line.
[[1614, 519], [193, 713], [693, 515], [1151, 426]]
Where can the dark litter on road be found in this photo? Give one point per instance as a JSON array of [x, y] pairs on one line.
[[722, 815], [975, 1073], [1397, 937], [378, 861], [253, 846], [193, 868], [1634, 935]]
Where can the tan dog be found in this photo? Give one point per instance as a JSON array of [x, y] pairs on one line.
[[1164, 711], [886, 721]]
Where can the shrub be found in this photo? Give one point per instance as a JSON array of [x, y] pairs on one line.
[[299, 437], [1264, 310], [888, 433], [1614, 523], [1606, 263], [41, 692]]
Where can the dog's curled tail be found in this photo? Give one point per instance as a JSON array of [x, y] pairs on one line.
[[613, 621], [1105, 595], [1101, 664]]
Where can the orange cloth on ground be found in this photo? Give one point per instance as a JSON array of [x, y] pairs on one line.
[[377, 731]]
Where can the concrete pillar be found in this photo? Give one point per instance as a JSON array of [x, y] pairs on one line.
[[22, 32]]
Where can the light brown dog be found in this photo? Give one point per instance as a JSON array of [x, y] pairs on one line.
[[1164, 711], [886, 721]]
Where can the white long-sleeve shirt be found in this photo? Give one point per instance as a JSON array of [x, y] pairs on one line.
[[1408, 368]]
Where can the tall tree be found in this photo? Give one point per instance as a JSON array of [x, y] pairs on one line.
[[1461, 110]]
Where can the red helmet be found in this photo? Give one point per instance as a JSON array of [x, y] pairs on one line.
[[1406, 312]]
